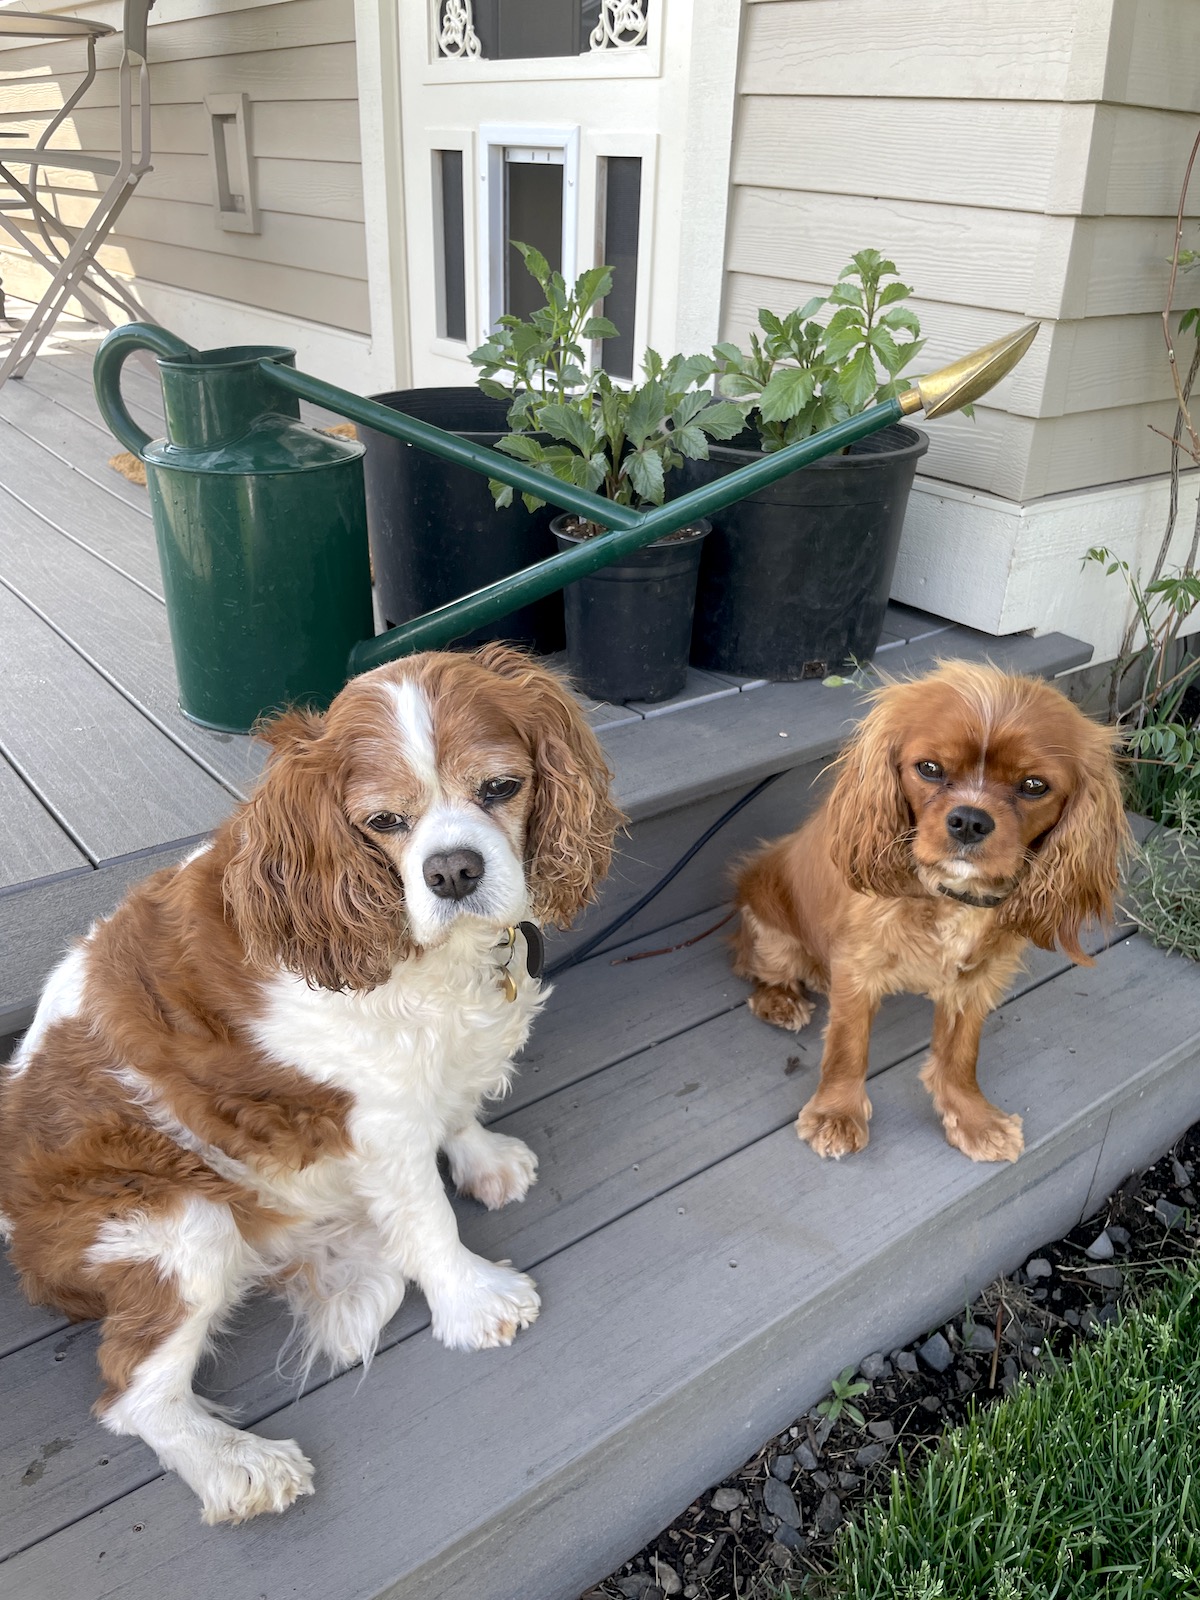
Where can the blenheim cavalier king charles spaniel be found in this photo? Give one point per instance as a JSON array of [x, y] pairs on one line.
[[973, 812], [245, 1075]]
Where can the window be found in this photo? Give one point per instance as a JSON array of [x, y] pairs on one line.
[[526, 30], [620, 211], [450, 244], [528, 193]]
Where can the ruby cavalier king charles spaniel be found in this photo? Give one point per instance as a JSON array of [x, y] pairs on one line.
[[243, 1078], [973, 812]]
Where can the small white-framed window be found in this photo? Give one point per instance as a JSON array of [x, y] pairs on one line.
[[529, 190]]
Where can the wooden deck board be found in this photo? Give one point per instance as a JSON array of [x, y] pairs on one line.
[[32, 845], [122, 630], [116, 782], [677, 1343], [87, 446]]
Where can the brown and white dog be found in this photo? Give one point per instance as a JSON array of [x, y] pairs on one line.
[[973, 812], [246, 1074]]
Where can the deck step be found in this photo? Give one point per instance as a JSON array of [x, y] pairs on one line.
[[675, 774], [703, 1275]]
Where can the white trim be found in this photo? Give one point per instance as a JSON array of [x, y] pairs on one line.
[[1003, 567], [494, 139], [202, 320], [384, 202], [597, 145]]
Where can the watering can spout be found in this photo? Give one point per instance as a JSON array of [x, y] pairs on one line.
[[953, 387]]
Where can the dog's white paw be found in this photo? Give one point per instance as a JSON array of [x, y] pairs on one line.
[[484, 1307], [241, 1475], [492, 1167]]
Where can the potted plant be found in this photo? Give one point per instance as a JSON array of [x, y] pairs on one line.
[[628, 625], [795, 578], [436, 532]]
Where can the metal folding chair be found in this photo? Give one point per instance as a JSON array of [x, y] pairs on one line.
[[66, 252]]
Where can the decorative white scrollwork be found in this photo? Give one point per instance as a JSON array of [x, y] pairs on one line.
[[622, 25], [456, 30]]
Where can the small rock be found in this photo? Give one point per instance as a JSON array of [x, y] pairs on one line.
[[1106, 1277], [778, 1554], [1010, 1368], [936, 1353], [668, 1579], [870, 1454], [1188, 1197], [1101, 1248], [1167, 1213], [930, 1403], [821, 1437], [829, 1512], [652, 1593], [780, 1500], [1072, 1316], [981, 1340], [906, 1361], [735, 1521], [727, 1499], [848, 1480], [691, 1592], [874, 1367], [1107, 1313], [822, 1480], [1118, 1235], [790, 1539], [881, 1430], [704, 1568], [964, 1380], [635, 1585], [1088, 1320], [806, 1458], [1039, 1267], [1180, 1173], [1040, 1294], [1057, 1295], [782, 1468], [767, 1522]]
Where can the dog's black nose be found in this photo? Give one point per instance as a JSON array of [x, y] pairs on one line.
[[453, 874], [968, 825]]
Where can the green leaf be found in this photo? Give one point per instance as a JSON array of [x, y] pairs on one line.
[[769, 322], [892, 292], [600, 328], [857, 380], [728, 352], [494, 390], [502, 493], [737, 383], [691, 442], [522, 447], [566, 422], [691, 370], [647, 410], [901, 317], [535, 262], [645, 472], [592, 285], [722, 420], [846, 294], [789, 390], [842, 343]]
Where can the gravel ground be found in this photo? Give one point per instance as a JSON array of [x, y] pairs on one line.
[[776, 1520]]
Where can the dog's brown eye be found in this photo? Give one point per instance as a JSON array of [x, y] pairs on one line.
[[386, 822], [498, 789], [1034, 786], [930, 770]]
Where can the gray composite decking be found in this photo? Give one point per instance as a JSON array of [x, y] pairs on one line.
[[702, 1273]]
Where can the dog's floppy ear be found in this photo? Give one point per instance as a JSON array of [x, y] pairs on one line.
[[1075, 872], [572, 820], [303, 889], [869, 817]]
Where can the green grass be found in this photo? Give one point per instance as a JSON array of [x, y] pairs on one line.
[[1086, 1483]]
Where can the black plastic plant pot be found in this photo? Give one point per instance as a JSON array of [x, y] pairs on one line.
[[629, 625], [436, 533], [795, 579]]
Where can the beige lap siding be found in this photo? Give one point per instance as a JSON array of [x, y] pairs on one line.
[[295, 59]]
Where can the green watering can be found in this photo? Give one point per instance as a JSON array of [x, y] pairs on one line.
[[262, 528]]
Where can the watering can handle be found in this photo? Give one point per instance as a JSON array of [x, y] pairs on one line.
[[106, 375]]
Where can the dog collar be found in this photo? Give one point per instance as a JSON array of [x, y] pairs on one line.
[[965, 898], [535, 954]]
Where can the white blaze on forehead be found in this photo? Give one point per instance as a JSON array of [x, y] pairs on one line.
[[416, 729]]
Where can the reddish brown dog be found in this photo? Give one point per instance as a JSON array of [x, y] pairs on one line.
[[973, 812]]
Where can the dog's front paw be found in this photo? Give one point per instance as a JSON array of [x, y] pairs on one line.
[[784, 1008], [244, 1475], [484, 1307], [834, 1134], [984, 1132], [492, 1167]]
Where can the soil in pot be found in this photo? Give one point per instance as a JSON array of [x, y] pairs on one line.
[[629, 625], [436, 534], [795, 579]]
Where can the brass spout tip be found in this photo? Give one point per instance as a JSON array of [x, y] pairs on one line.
[[963, 381]]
